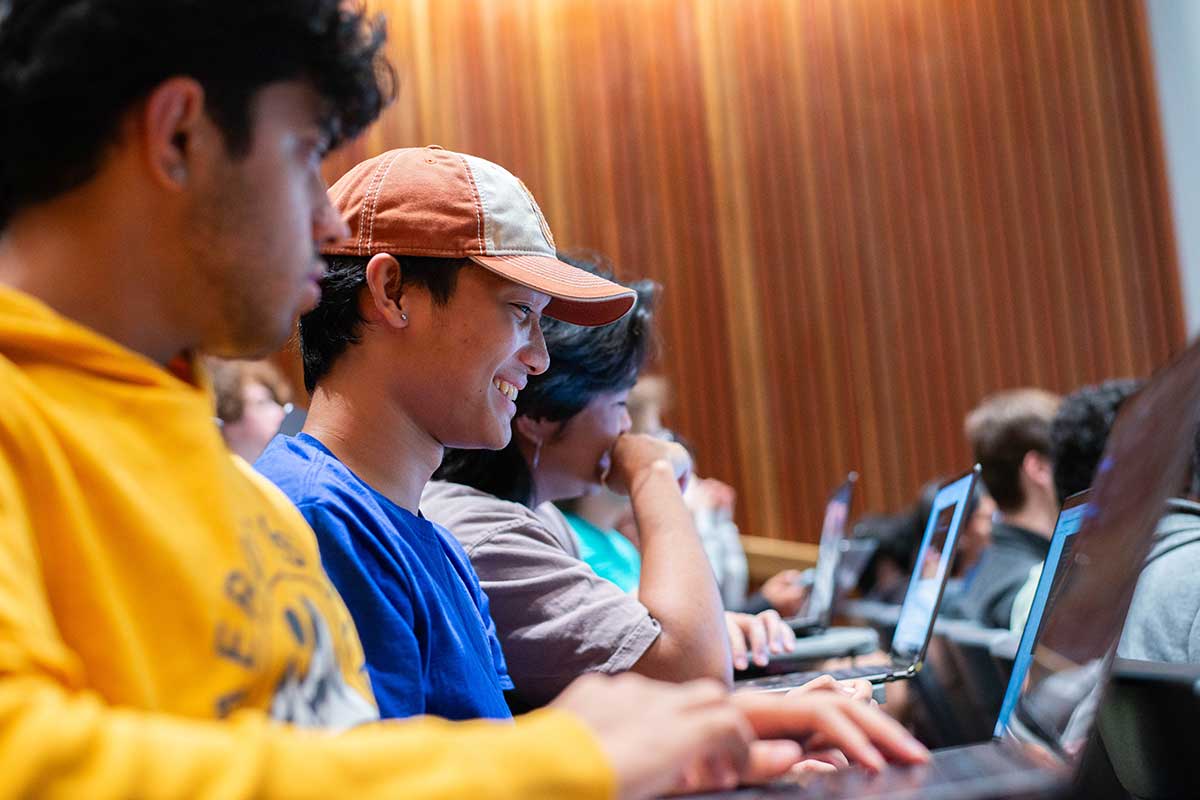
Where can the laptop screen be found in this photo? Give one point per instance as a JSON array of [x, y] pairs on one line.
[[1069, 521], [833, 532], [930, 568], [1144, 463]]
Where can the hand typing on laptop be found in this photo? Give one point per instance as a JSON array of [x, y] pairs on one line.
[[755, 637], [695, 736]]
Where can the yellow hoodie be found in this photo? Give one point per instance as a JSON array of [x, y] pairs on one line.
[[163, 611]]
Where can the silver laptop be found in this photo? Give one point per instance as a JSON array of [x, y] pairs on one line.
[[817, 612]]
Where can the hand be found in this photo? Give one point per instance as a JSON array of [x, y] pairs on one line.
[[860, 690], [826, 720], [635, 454], [785, 592], [659, 737], [821, 761], [710, 493], [756, 637]]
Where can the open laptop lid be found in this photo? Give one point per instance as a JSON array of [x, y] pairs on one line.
[[1070, 519], [930, 570], [833, 532], [1144, 464]]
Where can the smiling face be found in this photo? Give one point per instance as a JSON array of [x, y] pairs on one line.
[[255, 223], [574, 459], [466, 361]]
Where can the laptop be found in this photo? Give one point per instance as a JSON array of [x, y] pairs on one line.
[[817, 612], [1058, 559], [1050, 715], [919, 609]]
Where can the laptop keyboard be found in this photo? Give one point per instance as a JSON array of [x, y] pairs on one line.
[[978, 770], [791, 680], [851, 673]]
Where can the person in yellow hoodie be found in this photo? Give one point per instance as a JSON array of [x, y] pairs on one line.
[[166, 629]]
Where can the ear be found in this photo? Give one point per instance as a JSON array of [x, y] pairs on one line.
[[385, 298], [173, 122], [536, 431], [1039, 469]]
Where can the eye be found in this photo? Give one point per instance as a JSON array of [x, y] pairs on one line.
[[524, 310]]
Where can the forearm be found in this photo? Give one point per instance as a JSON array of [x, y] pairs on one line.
[[54, 743], [677, 585]]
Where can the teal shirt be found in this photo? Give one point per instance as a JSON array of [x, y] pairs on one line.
[[608, 553]]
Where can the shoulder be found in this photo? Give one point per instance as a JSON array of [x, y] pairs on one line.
[[313, 480], [475, 517], [1011, 543]]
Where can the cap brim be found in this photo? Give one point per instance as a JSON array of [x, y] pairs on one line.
[[578, 296]]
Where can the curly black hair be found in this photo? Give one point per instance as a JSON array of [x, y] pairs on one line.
[[584, 362], [71, 69], [1080, 431]]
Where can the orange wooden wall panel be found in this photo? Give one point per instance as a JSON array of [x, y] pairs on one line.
[[867, 214]]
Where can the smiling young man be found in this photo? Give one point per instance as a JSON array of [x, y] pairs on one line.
[[429, 327]]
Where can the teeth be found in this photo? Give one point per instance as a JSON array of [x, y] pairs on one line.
[[506, 389]]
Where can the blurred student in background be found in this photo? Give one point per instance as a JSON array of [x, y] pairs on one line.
[[252, 400], [1009, 434]]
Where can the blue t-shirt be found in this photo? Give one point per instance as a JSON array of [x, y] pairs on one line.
[[429, 640]]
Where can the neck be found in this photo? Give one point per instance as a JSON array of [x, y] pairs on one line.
[[94, 269], [600, 510], [378, 442], [1032, 517]]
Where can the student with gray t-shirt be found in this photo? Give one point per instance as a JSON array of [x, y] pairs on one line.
[[555, 617]]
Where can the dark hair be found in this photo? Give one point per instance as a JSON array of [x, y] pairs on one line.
[[584, 362], [70, 69], [1080, 431], [1002, 430], [335, 324]]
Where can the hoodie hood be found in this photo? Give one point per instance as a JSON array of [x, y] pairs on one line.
[[1179, 526], [33, 335]]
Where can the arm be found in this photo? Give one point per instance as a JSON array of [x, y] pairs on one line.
[[677, 585], [555, 617], [63, 743]]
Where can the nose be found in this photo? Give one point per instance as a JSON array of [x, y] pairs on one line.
[[328, 226], [534, 354], [626, 420]]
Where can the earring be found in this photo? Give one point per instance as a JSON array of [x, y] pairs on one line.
[[537, 453], [403, 317]]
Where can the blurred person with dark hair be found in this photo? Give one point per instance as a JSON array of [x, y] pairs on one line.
[[1080, 430], [161, 197], [1009, 434], [252, 400], [557, 619]]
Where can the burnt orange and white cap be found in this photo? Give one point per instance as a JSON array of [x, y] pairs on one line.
[[428, 201]]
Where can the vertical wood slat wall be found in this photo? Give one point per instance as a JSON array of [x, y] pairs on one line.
[[867, 214]]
